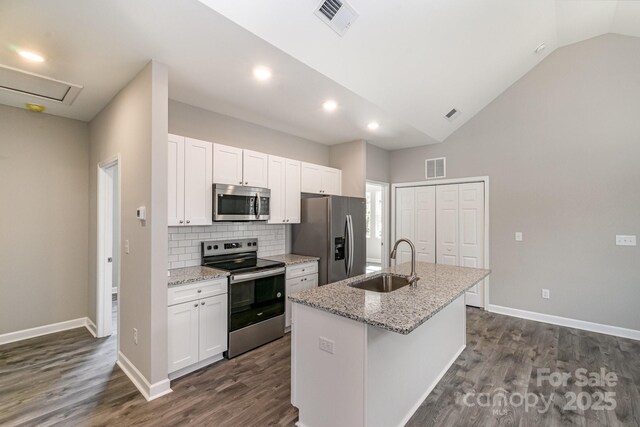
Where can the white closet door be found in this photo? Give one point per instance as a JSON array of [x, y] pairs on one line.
[[198, 178], [175, 181], [425, 199], [471, 217], [447, 246], [405, 221]]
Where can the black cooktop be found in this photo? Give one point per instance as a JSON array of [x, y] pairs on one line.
[[240, 262]]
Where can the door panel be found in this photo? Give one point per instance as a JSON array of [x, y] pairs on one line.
[[227, 165], [405, 221], [183, 335], [175, 181], [447, 224], [472, 235], [277, 184], [425, 224], [213, 326], [292, 191], [254, 168], [198, 176]]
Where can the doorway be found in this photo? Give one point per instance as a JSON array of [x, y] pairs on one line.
[[377, 209], [108, 261]]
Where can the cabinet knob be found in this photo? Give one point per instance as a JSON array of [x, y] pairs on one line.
[[181, 221], [202, 303], [188, 221], [245, 183], [240, 183], [283, 220], [195, 305], [287, 220], [199, 290]]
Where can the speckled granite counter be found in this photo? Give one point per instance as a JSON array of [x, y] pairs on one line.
[[291, 259], [183, 276], [402, 310]]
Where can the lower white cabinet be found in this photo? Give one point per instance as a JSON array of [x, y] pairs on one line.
[[197, 329], [300, 277]]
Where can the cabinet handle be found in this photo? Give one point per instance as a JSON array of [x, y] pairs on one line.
[[202, 303]]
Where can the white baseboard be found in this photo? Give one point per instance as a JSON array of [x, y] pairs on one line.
[[431, 387], [148, 390], [91, 327], [565, 321], [43, 330]]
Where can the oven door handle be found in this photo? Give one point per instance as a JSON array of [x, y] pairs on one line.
[[237, 278]]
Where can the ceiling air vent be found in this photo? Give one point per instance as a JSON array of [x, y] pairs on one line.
[[337, 14], [436, 168], [26, 83], [452, 115]]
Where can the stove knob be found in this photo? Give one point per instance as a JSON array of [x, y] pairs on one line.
[[209, 247], [278, 294], [215, 247]]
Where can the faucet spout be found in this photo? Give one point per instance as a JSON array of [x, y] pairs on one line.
[[413, 278]]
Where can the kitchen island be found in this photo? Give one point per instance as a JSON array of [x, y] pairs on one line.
[[365, 358]]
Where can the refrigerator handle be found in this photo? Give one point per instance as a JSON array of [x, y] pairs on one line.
[[346, 245], [350, 244]]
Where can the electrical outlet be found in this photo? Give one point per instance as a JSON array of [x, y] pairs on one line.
[[545, 293], [518, 236], [326, 345], [625, 240], [135, 336]]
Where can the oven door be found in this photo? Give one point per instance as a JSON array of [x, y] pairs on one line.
[[236, 203], [255, 297]]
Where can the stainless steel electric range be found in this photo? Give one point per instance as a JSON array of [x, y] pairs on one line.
[[256, 295]]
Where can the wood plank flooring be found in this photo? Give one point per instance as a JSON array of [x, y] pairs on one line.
[[70, 379]]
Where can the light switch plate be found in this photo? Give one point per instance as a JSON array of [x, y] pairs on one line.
[[518, 236], [622, 240], [545, 293]]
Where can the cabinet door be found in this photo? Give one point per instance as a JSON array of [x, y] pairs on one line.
[[311, 281], [198, 179], [447, 224], [405, 222], [292, 286], [277, 185], [183, 335], [471, 232], [213, 326], [311, 178], [425, 199], [254, 168], [175, 181], [227, 165], [292, 192], [331, 181]]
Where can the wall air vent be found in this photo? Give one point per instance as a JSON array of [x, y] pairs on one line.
[[452, 115], [337, 14], [435, 168], [34, 85]]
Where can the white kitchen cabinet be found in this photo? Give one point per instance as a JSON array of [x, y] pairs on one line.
[[235, 166], [212, 337], [284, 183], [255, 168], [189, 181], [320, 179], [197, 324], [227, 165], [299, 277]]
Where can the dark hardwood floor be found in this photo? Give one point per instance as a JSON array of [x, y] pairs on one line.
[[69, 378]]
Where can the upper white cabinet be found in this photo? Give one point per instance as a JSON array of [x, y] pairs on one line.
[[227, 165], [284, 183], [235, 166], [320, 179], [189, 181]]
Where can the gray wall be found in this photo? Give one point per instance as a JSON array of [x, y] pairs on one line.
[[351, 158], [134, 125], [561, 147], [377, 163], [43, 217], [187, 120]]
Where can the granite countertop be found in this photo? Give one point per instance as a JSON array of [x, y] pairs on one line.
[[183, 276], [402, 310], [291, 259]]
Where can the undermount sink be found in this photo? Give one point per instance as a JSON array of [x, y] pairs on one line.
[[383, 283]]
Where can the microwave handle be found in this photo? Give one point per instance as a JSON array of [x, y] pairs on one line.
[[258, 205]]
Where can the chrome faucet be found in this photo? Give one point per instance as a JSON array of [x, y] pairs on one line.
[[413, 278]]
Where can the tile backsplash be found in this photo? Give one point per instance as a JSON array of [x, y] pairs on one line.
[[184, 242]]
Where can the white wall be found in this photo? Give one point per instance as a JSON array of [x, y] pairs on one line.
[[43, 219], [377, 163], [350, 157], [134, 125], [561, 148]]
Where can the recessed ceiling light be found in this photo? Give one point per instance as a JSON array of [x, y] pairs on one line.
[[262, 73], [373, 125], [330, 105], [31, 56], [540, 48]]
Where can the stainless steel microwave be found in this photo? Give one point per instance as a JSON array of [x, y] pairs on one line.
[[238, 203]]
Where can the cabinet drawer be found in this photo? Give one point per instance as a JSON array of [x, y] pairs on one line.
[[194, 291], [302, 269]]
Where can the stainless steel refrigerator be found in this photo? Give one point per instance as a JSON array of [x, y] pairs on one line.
[[333, 229]]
